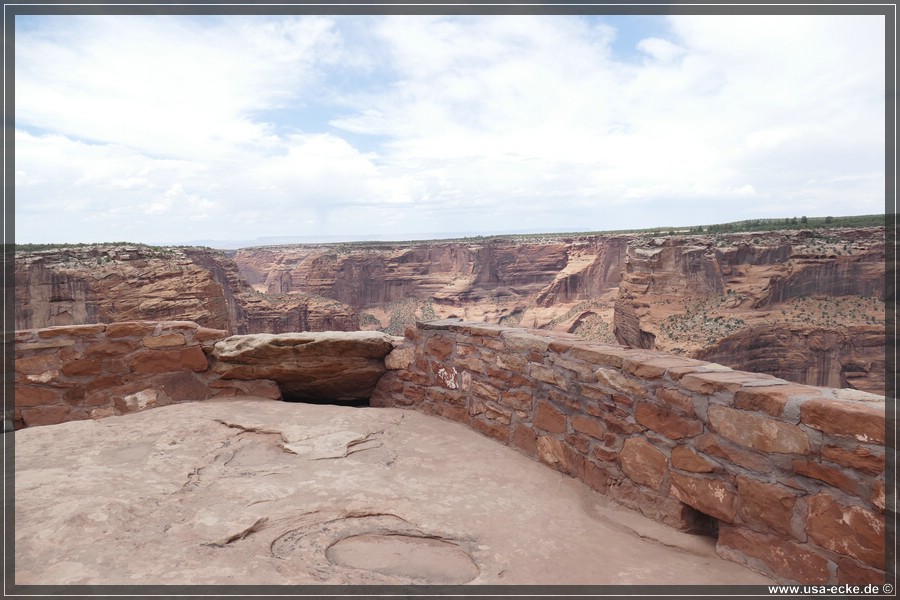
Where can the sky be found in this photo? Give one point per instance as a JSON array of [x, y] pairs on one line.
[[179, 129]]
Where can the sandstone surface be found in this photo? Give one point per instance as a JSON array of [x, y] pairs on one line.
[[244, 491], [323, 366]]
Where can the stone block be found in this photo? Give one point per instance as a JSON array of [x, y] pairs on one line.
[[109, 349], [719, 447], [471, 363], [771, 505], [676, 398], [568, 400], [32, 395], [559, 455], [47, 415], [863, 421], [181, 387], [852, 572], [848, 530], [712, 497], [440, 395], [620, 425], [687, 459], [858, 457], [619, 383], [38, 364], [580, 442], [137, 400], [643, 463], [655, 368], [102, 413], [205, 335], [758, 432], [578, 367], [604, 454], [130, 329], [548, 375], [161, 361], [485, 391], [829, 475], [50, 377], [594, 393], [525, 439], [454, 413], [595, 476], [787, 560], [84, 366], [22, 347], [511, 362], [77, 331], [400, 358], [522, 341], [518, 399], [590, 426], [495, 413], [166, 340], [549, 419], [493, 429], [439, 346], [664, 421], [717, 381], [771, 399], [597, 354]]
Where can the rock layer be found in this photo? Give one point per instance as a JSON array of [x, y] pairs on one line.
[[330, 366], [111, 283]]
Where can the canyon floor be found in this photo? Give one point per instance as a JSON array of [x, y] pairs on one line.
[[252, 491]]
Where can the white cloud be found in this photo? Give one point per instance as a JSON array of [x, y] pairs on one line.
[[321, 125], [659, 49]]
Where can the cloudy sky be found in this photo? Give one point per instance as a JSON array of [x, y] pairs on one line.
[[173, 129]]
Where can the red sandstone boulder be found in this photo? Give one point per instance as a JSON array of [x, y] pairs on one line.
[[331, 366]]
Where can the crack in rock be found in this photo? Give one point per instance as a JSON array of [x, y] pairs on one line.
[[258, 525]]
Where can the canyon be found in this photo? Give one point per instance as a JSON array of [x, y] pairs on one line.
[[804, 305]]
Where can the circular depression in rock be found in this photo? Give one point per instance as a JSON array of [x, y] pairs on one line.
[[420, 558]]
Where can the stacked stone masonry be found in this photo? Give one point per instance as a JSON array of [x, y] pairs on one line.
[[91, 371], [790, 478]]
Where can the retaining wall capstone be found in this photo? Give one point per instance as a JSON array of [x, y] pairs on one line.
[[790, 478]]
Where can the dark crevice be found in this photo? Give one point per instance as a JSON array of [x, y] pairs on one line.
[[356, 402]]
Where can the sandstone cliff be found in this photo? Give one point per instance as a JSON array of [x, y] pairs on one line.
[[805, 306], [113, 283], [537, 283]]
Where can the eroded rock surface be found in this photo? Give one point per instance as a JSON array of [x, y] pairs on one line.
[[246, 491], [81, 285], [325, 366]]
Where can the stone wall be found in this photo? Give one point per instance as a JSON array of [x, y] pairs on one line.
[[790, 478], [91, 371]]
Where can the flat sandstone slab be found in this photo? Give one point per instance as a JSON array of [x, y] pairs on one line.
[[245, 491]]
